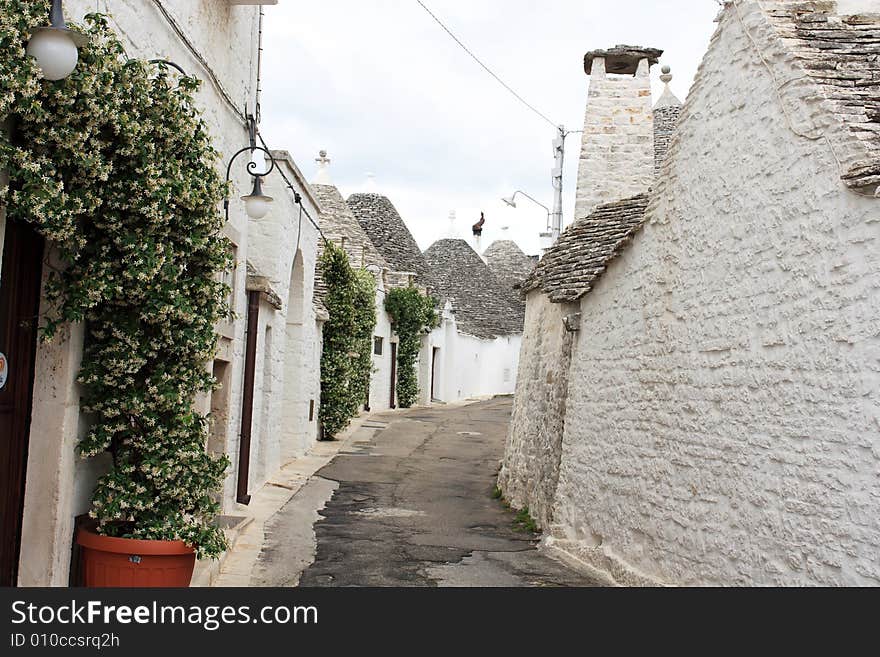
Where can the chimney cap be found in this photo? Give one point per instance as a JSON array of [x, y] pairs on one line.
[[622, 59]]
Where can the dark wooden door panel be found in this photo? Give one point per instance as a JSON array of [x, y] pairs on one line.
[[19, 305]]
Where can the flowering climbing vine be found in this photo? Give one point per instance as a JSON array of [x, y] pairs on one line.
[[114, 166]]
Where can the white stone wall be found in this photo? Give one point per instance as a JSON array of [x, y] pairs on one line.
[[472, 367], [724, 408], [380, 380], [58, 484], [617, 147], [284, 247], [530, 468]]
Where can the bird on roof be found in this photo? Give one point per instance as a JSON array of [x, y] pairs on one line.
[[478, 227]]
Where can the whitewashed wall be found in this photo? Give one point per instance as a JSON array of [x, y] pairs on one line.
[[283, 247], [723, 422], [59, 484], [472, 367], [380, 380]]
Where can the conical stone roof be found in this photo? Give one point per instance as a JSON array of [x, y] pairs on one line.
[[483, 306], [386, 229], [508, 262]]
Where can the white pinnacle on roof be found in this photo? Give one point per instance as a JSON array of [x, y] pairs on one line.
[[668, 99], [323, 175]]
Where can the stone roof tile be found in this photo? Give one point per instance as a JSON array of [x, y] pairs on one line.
[[841, 54], [383, 224], [340, 226], [508, 262], [569, 270]]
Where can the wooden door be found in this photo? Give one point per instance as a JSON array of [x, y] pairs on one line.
[[434, 394], [19, 307]]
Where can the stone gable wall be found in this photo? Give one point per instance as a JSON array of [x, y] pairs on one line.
[[723, 412], [530, 468]]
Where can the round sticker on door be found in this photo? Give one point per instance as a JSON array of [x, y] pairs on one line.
[[4, 370]]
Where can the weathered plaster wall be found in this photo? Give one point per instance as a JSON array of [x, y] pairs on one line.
[[530, 468], [723, 414], [617, 148]]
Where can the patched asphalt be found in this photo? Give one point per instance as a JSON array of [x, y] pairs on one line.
[[413, 507]]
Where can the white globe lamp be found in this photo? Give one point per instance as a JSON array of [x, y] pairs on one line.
[[56, 47]]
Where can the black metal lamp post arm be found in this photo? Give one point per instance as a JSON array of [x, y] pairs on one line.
[[171, 64], [56, 15], [251, 167]]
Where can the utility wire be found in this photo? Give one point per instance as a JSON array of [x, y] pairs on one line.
[[486, 68], [181, 34]]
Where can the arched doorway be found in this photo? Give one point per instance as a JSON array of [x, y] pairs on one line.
[[295, 413]]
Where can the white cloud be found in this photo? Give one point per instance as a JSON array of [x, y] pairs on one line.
[[382, 88]]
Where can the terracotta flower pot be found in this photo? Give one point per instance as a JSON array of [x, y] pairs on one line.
[[127, 562]]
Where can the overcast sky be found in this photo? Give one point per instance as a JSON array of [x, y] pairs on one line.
[[381, 87]]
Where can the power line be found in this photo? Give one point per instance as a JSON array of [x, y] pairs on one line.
[[486, 68]]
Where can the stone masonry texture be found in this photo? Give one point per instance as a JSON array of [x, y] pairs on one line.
[[483, 307], [509, 264], [617, 150], [387, 230], [840, 54], [530, 469], [723, 412], [665, 121]]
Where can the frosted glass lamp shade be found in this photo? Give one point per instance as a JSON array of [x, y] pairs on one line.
[[257, 207], [56, 52], [257, 204]]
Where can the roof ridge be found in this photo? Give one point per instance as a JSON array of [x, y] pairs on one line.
[[583, 252]]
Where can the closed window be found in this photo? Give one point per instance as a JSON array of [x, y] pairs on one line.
[[377, 346]]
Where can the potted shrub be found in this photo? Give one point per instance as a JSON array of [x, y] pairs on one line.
[[115, 167]]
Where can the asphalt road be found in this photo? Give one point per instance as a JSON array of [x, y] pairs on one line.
[[412, 505]]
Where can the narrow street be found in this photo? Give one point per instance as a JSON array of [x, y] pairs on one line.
[[411, 504]]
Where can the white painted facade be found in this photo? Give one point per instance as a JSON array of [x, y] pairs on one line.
[[722, 421], [58, 483], [467, 367], [380, 380]]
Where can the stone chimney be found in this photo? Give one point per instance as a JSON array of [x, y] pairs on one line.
[[617, 151]]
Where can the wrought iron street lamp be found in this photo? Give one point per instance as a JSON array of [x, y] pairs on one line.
[[56, 47], [256, 204]]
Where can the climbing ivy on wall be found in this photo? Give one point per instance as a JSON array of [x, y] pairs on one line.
[[346, 361], [115, 167], [412, 314], [364, 326]]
